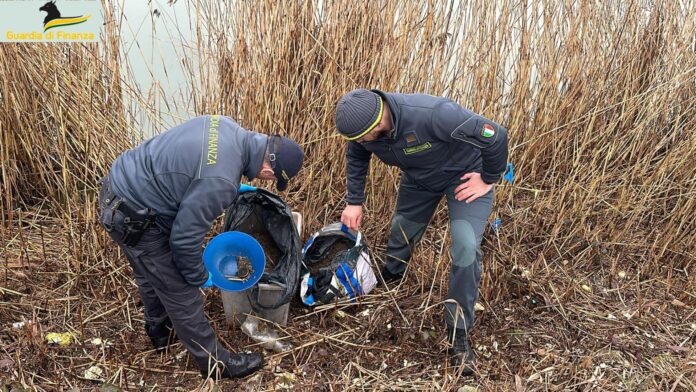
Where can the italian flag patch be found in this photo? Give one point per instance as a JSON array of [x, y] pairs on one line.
[[487, 130]]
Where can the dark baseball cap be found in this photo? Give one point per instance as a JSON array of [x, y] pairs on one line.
[[286, 158]]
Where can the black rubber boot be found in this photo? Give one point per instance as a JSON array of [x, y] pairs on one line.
[[161, 335], [460, 352], [239, 365], [242, 365], [388, 277]]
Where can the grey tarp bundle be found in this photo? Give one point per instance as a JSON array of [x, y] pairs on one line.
[[336, 264], [261, 209]]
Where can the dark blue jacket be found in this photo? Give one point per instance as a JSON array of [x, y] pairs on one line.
[[189, 175], [435, 141]]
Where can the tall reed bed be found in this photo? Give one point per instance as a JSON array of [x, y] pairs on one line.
[[62, 117], [599, 99], [62, 122]]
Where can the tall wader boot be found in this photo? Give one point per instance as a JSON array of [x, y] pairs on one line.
[[167, 296]]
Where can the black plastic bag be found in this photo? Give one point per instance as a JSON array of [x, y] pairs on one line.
[[266, 217]]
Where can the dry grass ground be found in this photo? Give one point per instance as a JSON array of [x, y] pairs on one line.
[[587, 285]]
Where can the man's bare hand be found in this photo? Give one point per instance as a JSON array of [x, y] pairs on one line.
[[472, 188], [352, 217]]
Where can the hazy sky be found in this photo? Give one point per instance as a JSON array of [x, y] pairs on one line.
[[154, 35]]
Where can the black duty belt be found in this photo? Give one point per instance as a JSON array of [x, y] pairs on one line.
[[135, 221]]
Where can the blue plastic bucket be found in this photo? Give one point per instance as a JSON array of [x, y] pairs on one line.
[[220, 258]]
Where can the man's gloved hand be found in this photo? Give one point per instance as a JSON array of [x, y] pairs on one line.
[[208, 283], [246, 188]]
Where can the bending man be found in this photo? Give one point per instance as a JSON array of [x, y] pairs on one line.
[[442, 149], [158, 203]]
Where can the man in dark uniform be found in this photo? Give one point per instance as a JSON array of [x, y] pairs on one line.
[[442, 149], [158, 203]]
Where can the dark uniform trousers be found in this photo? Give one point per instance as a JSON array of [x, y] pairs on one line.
[[414, 210], [163, 290]]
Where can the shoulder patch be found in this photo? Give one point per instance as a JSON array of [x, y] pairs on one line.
[[477, 131], [487, 130]]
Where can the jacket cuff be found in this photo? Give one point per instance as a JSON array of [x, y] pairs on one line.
[[199, 279], [490, 179], [355, 201]]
